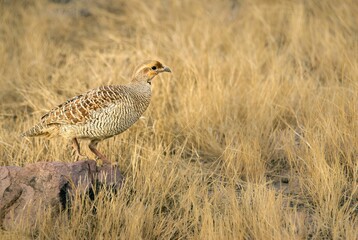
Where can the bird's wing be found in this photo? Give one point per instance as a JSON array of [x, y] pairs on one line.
[[78, 110]]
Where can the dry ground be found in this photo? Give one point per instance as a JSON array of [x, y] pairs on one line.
[[253, 136]]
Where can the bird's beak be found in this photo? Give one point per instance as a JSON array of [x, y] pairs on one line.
[[166, 69]]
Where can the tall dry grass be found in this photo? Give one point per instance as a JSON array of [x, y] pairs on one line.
[[253, 136]]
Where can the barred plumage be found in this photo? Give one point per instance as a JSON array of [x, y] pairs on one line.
[[100, 113]]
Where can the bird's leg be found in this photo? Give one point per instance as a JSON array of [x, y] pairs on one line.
[[92, 147], [76, 149]]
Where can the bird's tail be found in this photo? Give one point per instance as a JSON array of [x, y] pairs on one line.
[[37, 130]]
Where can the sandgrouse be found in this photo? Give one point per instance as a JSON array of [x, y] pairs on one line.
[[102, 112]]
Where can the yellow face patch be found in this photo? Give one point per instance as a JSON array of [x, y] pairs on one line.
[[149, 70], [152, 73]]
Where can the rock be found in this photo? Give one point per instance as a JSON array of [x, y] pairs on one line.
[[40, 186]]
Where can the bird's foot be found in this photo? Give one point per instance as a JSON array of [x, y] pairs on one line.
[[104, 161], [79, 156]]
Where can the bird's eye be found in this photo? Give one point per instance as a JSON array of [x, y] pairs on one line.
[[154, 68]]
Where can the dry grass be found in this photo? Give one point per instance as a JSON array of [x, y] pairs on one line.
[[253, 136]]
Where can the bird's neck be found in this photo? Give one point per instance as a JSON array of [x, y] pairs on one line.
[[141, 87]]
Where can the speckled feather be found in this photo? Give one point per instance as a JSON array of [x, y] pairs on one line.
[[100, 113]]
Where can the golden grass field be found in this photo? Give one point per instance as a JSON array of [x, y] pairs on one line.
[[253, 136]]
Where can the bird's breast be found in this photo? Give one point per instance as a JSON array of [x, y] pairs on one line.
[[115, 118]]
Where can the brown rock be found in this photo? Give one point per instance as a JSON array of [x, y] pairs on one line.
[[25, 191]]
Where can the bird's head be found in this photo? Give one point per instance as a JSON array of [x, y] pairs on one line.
[[148, 70]]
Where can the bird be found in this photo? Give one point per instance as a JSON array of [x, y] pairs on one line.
[[100, 113]]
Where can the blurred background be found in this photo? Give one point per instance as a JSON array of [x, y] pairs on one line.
[[253, 136]]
